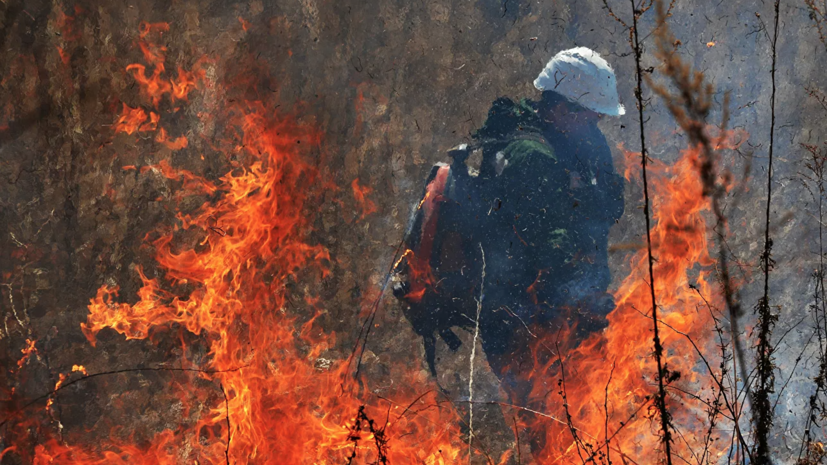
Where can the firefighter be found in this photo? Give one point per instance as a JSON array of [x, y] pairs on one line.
[[535, 218]]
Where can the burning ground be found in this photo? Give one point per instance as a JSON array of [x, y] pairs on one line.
[[201, 202]]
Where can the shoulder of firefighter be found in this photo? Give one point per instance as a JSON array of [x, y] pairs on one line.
[[506, 120], [515, 145]]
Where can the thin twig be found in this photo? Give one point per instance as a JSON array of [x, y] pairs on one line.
[[473, 356], [562, 384], [660, 398], [762, 412], [732, 408], [229, 426], [819, 307], [364, 331], [517, 438], [606, 409], [106, 373]]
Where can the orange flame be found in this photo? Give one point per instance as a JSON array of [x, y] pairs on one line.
[[285, 399], [65, 58], [610, 376], [154, 54], [420, 275], [80, 368], [130, 120], [152, 124], [153, 86], [27, 352], [187, 82], [175, 144], [360, 193], [244, 24], [274, 386]]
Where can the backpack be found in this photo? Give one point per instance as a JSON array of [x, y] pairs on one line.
[[437, 262]]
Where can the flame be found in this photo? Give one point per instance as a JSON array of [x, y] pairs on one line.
[[175, 144], [152, 124], [276, 385], [61, 378], [80, 368], [710, 44], [130, 119], [609, 378], [156, 85], [153, 86], [65, 58], [404, 255], [282, 397], [244, 24], [27, 352], [424, 198], [420, 274], [186, 82], [154, 53], [360, 193]]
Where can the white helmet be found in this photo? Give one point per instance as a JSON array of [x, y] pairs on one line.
[[584, 77]]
